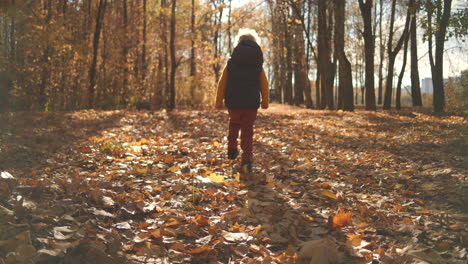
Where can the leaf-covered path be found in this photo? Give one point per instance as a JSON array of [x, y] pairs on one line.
[[155, 187]]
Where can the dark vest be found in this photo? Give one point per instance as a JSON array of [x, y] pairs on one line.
[[244, 68]]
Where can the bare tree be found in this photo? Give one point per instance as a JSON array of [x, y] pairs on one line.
[[415, 85], [97, 36], [392, 52], [369, 45], [172, 49], [345, 86], [439, 31]]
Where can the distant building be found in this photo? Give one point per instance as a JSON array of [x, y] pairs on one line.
[[426, 86]]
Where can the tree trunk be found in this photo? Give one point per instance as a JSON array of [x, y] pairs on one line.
[[193, 65], [288, 69], [415, 85], [317, 88], [45, 75], [229, 27], [382, 52], [143, 53], [345, 85], [392, 53], [301, 80], [92, 69], [173, 57], [124, 95], [302, 53], [161, 89], [369, 41], [437, 67], [402, 73], [217, 26], [325, 64]]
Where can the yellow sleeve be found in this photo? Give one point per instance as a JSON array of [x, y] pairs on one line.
[[221, 87], [264, 89]]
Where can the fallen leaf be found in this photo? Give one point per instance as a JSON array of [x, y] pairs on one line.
[[342, 218], [6, 175], [200, 250], [234, 237], [329, 194], [201, 220], [216, 178]]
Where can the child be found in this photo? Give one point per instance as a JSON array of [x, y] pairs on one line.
[[240, 86]]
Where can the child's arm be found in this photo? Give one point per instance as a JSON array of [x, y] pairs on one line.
[[221, 89], [264, 89]]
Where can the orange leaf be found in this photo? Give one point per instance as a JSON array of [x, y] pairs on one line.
[[397, 208], [201, 220], [85, 149], [342, 218], [178, 247], [199, 250], [407, 221], [172, 222], [329, 194], [156, 233]]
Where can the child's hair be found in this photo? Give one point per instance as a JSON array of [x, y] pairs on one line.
[[247, 34]]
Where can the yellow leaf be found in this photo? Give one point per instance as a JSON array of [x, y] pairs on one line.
[[295, 183], [174, 168], [257, 230], [144, 142], [216, 178], [355, 240], [172, 222], [237, 176], [142, 170], [329, 194]]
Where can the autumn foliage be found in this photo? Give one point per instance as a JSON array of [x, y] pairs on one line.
[[142, 187]]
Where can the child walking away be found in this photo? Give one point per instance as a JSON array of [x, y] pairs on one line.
[[243, 87]]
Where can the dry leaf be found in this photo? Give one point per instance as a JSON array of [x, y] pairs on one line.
[[234, 237], [342, 218], [216, 178], [329, 194]]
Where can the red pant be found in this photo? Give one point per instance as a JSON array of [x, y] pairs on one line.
[[243, 120]]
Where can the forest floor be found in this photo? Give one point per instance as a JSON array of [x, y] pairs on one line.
[[156, 187]]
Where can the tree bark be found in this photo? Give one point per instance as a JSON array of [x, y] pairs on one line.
[[124, 95], [45, 74], [402, 73], [193, 65], [173, 57], [287, 63], [382, 52], [229, 27], [392, 53], [369, 46], [415, 85], [92, 68], [345, 85], [325, 64], [145, 40], [437, 65], [217, 25], [300, 69]]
